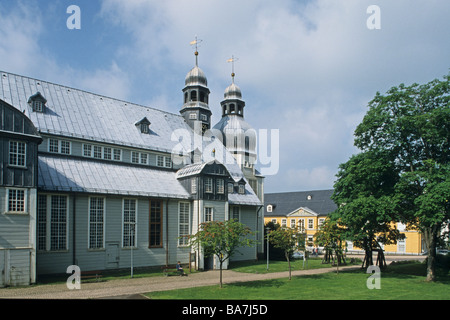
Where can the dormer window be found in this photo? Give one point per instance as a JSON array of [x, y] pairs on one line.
[[269, 208], [241, 189], [144, 125], [37, 102]]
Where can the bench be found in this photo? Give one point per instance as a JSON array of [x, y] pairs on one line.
[[94, 274], [172, 269]]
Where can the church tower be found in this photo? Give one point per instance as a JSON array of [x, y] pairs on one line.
[[195, 107], [237, 135]]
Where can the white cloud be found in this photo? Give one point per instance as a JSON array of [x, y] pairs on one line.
[[307, 67]]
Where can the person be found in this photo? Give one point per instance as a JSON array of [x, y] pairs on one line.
[[179, 268]]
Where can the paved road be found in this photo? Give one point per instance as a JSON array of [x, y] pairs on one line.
[[134, 288]]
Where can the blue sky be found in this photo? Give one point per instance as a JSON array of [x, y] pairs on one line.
[[307, 68]]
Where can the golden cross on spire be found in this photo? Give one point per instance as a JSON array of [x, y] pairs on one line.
[[232, 60], [195, 43]]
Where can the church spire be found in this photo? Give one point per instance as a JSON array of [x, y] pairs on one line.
[[195, 43], [195, 107], [232, 60]]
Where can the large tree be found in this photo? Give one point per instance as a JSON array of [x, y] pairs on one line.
[[362, 192], [221, 239], [409, 127]]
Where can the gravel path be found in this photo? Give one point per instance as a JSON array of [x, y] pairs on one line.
[[134, 288]]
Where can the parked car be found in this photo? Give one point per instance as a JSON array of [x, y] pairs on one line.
[[297, 255], [442, 251]]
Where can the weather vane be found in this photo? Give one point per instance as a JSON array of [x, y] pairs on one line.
[[232, 60], [195, 43]]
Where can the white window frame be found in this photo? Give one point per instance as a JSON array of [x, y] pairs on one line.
[[87, 150], [220, 185], [17, 202], [163, 161], [116, 154], [269, 208], [184, 223], [208, 185], [91, 224], [59, 146], [320, 222], [292, 223], [301, 224], [310, 223], [209, 215], [236, 211], [53, 145], [38, 105], [283, 222], [241, 189], [16, 157], [45, 220], [194, 185], [128, 224]]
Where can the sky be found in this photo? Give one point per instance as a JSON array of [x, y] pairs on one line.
[[307, 68]]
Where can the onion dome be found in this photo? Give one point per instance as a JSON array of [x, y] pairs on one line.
[[233, 92], [196, 77]]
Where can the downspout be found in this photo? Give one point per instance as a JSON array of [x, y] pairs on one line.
[[257, 228], [74, 255], [167, 232]]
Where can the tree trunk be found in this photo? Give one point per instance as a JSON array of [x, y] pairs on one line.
[[289, 263], [430, 237], [221, 262]]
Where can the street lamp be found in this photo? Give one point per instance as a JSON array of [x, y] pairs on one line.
[[267, 235]]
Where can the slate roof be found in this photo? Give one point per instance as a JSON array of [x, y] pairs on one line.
[[80, 114], [286, 202], [85, 175]]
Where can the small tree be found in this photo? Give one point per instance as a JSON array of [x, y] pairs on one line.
[[288, 240], [331, 237], [221, 239]]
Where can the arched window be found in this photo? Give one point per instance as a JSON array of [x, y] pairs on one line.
[[185, 97], [232, 108], [202, 97]]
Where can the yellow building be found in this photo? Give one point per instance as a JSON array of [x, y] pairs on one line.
[[309, 209]]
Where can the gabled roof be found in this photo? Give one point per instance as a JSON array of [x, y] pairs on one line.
[[284, 203], [302, 211]]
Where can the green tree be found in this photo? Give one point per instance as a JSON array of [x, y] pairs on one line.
[[362, 192], [288, 240], [331, 236], [409, 127], [221, 239]]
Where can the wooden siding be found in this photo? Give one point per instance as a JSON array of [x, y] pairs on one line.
[[114, 255]]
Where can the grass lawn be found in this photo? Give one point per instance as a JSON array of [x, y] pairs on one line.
[[280, 266], [399, 282]]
